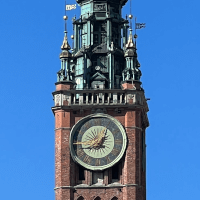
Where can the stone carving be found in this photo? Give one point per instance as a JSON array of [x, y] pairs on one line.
[[99, 7], [131, 99], [57, 100]]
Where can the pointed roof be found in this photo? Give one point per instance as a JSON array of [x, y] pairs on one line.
[[98, 76], [65, 44], [130, 44]]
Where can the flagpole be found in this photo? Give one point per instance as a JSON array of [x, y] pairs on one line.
[[65, 15], [131, 13]]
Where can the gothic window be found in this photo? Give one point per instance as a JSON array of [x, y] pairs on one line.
[[103, 37], [115, 34], [80, 198], [96, 26], [97, 198], [103, 32], [99, 33], [96, 38], [103, 27]]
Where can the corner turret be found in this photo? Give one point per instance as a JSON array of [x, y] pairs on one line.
[[64, 74]]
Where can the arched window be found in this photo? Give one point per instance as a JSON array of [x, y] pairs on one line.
[[80, 198], [114, 198], [97, 198]]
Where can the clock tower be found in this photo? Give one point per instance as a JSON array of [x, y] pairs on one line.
[[100, 109]]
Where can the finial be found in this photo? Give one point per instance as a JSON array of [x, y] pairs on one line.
[[130, 16], [65, 17], [130, 43], [65, 45]]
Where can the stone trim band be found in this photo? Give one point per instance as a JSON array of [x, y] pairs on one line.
[[63, 128], [92, 186], [134, 127]]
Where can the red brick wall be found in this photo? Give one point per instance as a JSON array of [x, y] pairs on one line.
[[66, 171]]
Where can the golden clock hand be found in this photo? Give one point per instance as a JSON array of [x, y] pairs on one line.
[[99, 138], [89, 142], [102, 134], [84, 143], [96, 141]]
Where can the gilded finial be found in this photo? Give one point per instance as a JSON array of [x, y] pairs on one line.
[[130, 43], [65, 17], [130, 16], [65, 44]]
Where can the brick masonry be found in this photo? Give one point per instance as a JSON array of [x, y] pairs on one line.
[[132, 172]]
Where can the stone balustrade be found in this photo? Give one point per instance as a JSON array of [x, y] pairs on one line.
[[98, 97]]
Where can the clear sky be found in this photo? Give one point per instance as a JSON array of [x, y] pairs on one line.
[[168, 49]]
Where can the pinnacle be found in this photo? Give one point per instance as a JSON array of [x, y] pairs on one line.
[[130, 43], [65, 44]]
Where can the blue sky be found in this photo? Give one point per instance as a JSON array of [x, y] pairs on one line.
[[168, 48]]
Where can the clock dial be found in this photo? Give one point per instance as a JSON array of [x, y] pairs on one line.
[[97, 141]]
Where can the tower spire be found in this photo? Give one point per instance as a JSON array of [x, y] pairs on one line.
[[130, 43], [64, 74], [65, 44]]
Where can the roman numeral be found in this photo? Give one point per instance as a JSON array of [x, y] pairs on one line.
[[80, 132], [97, 122], [115, 131], [87, 125], [87, 159], [98, 162], [108, 160], [119, 142], [80, 153], [115, 152]]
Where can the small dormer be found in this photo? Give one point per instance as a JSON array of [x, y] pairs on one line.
[[98, 81]]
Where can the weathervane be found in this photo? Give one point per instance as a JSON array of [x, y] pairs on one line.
[[137, 25], [68, 7]]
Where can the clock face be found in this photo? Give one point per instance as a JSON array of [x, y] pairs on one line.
[[97, 141]]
